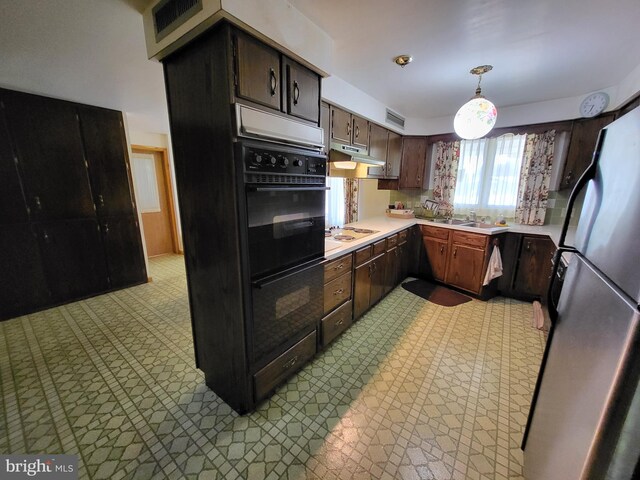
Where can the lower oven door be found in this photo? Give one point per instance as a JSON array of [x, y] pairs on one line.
[[286, 226], [285, 308]]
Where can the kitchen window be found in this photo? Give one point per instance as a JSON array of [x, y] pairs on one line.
[[335, 204], [488, 175]]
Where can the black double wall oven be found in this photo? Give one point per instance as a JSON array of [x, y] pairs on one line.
[[284, 193]]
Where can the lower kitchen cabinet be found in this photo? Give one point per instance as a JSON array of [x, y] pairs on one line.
[[369, 277], [391, 268], [466, 267], [338, 310], [336, 322], [527, 266], [437, 251], [123, 249]]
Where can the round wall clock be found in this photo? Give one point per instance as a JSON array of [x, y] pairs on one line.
[[594, 104]]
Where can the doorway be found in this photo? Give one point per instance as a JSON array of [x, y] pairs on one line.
[[152, 181]]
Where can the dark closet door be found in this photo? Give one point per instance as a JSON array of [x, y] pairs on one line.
[[123, 246], [73, 258], [13, 208], [51, 161], [106, 154], [23, 287]]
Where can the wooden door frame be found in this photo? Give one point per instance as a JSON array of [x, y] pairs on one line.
[[168, 187]]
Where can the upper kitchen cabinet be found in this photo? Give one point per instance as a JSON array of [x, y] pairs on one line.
[[257, 71], [106, 154], [349, 129], [413, 163], [303, 91], [584, 136], [264, 76], [394, 155], [50, 156], [13, 208]]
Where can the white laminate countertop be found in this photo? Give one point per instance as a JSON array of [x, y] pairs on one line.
[[388, 226]]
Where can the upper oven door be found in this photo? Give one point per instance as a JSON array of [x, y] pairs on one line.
[[286, 226]]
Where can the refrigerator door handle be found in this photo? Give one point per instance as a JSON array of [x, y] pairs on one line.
[[588, 174], [557, 258]]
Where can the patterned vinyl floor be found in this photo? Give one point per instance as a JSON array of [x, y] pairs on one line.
[[413, 390]]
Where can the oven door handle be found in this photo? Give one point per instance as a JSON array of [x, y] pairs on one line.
[[287, 189], [298, 225]]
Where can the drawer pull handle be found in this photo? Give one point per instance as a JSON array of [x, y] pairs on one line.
[[357, 131], [340, 322], [290, 363], [38, 203], [338, 267], [349, 129], [296, 92], [339, 291], [455, 252], [441, 249]]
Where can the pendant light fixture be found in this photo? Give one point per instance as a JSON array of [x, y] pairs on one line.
[[477, 117]]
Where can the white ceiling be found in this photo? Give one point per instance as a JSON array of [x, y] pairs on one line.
[[540, 50], [93, 51]]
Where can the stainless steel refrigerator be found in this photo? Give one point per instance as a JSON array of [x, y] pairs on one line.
[[584, 421]]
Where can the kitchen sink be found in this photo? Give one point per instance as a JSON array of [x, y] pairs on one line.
[[450, 221], [478, 225]]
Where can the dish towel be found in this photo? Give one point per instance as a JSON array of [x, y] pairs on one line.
[[494, 269]]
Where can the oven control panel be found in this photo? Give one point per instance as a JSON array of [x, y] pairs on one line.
[[269, 161]]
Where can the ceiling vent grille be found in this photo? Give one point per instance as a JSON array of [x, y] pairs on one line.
[[395, 119], [170, 14]]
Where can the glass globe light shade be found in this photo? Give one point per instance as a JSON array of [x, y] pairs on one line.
[[475, 118]]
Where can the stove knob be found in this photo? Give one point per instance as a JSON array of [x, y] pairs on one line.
[[271, 159], [257, 159], [284, 161], [297, 162]]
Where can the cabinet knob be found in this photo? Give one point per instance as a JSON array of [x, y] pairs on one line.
[[101, 200], [455, 252], [273, 81], [339, 267], [36, 199], [106, 228], [441, 249], [569, 176], [296, 92], [45, 236], [528, 246], [340, 322]]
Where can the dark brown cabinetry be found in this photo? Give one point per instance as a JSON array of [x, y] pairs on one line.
[[369, 274], [394, 155], [414, 158], [266, 77], [584, 135], [66, 208], [527, 266], [338, 280], [378, 142], [385, 145], [348, 128], [458, 258], [325, 124]]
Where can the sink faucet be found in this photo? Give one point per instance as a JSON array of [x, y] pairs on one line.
[[472, 215]]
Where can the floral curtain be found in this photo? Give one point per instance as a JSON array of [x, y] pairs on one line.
[[533, 190], [350, 200], [445, 172]]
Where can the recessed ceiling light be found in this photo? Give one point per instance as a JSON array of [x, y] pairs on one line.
[[403, 60]]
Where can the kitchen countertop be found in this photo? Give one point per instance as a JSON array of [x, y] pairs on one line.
[[388, 226]]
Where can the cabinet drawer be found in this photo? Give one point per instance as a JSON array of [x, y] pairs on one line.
[[363, 255], [336, 292], [471, 239], [392, 241], [284, 366], [379, 247], [435, 232], [337, 267], [336, 323], [402, 236]]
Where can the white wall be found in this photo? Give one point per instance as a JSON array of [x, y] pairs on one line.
[[371, 201]]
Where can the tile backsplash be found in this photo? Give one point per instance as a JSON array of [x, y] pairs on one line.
[[554, 216]]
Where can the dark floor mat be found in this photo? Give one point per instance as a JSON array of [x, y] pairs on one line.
[[435, 293]]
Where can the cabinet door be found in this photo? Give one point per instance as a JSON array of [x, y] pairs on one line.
[[23, 287], [534, 266], [257, 71], [303, 92], [414, 158], [465, 268], [360, 132], [394, 155], [123, 248], [51, 158], [377, 278], [437, 252], [13, 208], [378, 142], [362, 290], [106, 154], [340, 125], [584, 135], [73, 258], [391, 270], [404, 254]]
